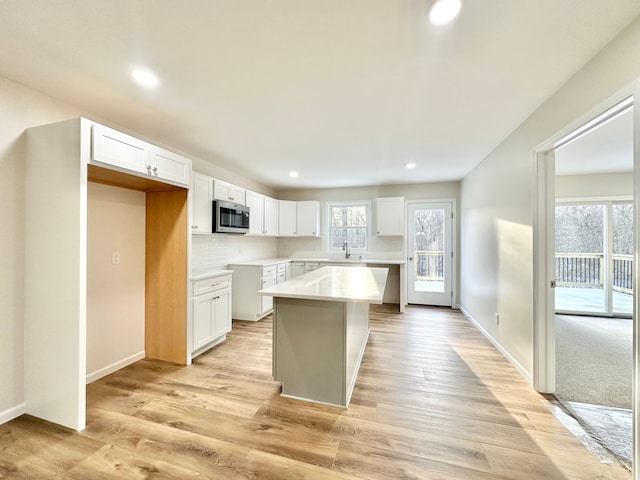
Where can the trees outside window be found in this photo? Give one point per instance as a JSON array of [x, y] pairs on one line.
[[349, 222]]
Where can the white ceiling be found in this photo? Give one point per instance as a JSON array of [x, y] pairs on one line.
[[344, 91], [607, 149]]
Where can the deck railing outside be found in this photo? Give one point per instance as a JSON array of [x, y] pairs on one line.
[[586, 270], [429, 266]]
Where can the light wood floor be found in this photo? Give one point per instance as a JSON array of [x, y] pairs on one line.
[[433, 400]]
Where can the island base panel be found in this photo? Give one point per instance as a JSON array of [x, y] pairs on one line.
[[318, 345]]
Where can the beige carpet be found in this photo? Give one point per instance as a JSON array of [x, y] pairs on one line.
[[594, 361]]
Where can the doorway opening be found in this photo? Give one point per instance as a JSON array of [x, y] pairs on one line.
[[584, 285]]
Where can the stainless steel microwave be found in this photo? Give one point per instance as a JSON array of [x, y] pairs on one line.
[[230, 217]]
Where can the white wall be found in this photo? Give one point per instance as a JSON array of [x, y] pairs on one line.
[[20, 108], [601, 185], [115, 292], [497, 202]]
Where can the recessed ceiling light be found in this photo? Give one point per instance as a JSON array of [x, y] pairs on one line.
[[444, 11], [293, 174], [410, 165], [145, 78]]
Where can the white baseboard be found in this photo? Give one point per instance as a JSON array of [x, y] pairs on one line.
[[13, 412], [114, 367], [523, 371]]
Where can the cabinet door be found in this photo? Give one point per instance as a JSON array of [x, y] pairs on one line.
[[203, 316], [201, 203], [297, 269], [267, 301], [120, 150], [222, 313], [270, 217], [255, 202], [390, 216], [286, 218], [230, 193], [308, 219], [170, 166]]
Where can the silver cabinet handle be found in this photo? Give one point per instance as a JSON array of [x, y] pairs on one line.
[[155, 170]]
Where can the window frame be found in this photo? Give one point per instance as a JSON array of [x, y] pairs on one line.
[[348, 203]]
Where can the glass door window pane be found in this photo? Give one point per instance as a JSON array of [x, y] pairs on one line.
[[580, 260], [622, 217], [429, 250]]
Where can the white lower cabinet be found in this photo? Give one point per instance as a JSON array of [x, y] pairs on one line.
[[251, 278], [297, 269], [211, 312]]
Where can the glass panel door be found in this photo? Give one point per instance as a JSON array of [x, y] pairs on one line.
[[594, 259], [430, 252], [580, 262]]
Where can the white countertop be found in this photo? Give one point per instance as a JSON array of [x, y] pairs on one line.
[[202, 273], [261, 262], [354, 259], [346, 284]]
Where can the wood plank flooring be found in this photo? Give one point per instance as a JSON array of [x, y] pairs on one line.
[[433, 400]]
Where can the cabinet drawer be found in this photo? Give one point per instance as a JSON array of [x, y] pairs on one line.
[[207, 285], [282, 277], [282, 267], [308, 267], [270, 270], [267, 282]]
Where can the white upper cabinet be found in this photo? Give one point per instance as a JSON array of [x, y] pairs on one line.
[[116, 149], [390, 216], [228, 192], [270, 217], [255, 202], [169, 166], [263, 216], [286, 218], [119, 149], [201, 206], [308, 219]]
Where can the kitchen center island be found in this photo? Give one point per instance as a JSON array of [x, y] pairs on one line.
[[320, 330]]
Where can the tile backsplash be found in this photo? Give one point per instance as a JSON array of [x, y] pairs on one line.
[[218, 250]]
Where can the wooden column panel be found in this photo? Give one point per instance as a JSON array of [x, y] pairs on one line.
[[166, 276]]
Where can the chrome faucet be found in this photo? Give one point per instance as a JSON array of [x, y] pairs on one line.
[[345, 247]]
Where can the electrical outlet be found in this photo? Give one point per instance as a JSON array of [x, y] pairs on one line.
[[497, 318], [115, 257]]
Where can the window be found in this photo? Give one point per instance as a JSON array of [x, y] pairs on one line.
[[349, 222]]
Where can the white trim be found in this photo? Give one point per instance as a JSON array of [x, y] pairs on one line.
[[114, 367], [544, 327], [13, 412], [635, 397], [454, 244], [523, 371], [595, 200]]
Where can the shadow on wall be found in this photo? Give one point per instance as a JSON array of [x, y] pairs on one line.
[[12, 205]]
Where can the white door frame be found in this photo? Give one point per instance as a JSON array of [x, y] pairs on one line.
[[454, 244], [544, 367]]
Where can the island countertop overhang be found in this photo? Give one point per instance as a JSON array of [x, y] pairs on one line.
[[334, 283]]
